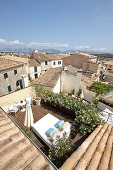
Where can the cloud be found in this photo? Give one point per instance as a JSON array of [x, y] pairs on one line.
[[31, 44], [99, 49], [6, 42], [81, 47], [38, 44]]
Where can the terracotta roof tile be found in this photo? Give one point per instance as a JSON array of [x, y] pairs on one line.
[[56, 56], [49, 78], [33, 62], [8, 63], [18, 59], [110, 63], [94, 153], [16, 150]]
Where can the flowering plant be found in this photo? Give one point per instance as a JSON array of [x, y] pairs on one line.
[[28, 132], [59, 153]]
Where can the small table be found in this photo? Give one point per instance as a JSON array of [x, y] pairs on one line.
[[22, 105]]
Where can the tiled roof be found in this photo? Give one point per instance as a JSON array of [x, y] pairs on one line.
[[75, 60], [7, 63], [96, 152], [33, 62], [40, 57], [107, 73], [109, 63], [57, 56], [18, 59], [49, 78], [88, 81], [16, 150], [85, 55]]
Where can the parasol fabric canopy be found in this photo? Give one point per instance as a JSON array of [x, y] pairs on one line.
[[28, 121]]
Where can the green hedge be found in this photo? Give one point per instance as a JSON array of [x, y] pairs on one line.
[[86, 115], [100, 88]]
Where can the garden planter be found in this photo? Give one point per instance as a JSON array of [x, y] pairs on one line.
[[38, 101], [59, 108]]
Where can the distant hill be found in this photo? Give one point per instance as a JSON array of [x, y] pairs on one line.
[[28, 50], [53, 51], [17, 50]]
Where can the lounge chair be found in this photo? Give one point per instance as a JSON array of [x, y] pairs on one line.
[[12, 109], [45, 123]]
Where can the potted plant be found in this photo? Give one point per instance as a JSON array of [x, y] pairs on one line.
[[38, 100]]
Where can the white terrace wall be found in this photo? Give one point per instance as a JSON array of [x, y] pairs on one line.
[[17, 96], [103, 106], [88, 95]]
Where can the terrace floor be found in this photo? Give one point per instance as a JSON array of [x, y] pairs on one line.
[[41, 111]]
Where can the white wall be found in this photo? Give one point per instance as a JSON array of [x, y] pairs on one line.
[[56, 63], [70, 82], [32, 73], [56, 89]]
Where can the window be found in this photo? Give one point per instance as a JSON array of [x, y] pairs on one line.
[[15, 72], [9, 88], [5, 75], [54, 63], [45, 62], [35, 69], [59, 62]]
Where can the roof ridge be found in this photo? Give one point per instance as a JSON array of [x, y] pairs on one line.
[[23, 139], [9, 143], [9, 130], [83, 162], [105, 159], [30, 161], [17, 147], [73, 160], [16, 157], [9, 137], [6, 124], [99, 150]]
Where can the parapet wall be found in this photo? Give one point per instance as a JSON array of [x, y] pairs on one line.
[[17, 96]]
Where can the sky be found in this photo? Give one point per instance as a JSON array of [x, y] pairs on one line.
[[57, 24]]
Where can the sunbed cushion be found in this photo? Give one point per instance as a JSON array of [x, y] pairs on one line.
[[50, 131], [55, 136], [59, 123], [63, 126]]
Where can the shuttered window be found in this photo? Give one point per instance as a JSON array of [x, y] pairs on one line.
[[35, 69], [5, 75], [9, 88], [15, 72]]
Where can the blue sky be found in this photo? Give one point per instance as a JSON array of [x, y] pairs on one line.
[[58, 24]]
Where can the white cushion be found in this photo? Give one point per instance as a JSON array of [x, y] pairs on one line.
[[63, 126], [55, 136]]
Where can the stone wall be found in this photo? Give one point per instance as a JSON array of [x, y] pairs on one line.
[[103, 106], [17, 96]]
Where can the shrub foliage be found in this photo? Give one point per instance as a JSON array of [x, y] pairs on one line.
[[100, 88], [86, 115], [62, 151]]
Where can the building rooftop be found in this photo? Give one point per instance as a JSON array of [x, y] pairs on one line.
[[13, 58], [88, 81], [7, 63], [49, 78], [56, 56], [110, 63], [96, 152], [41, 57], [33, 62], [16, 150]]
